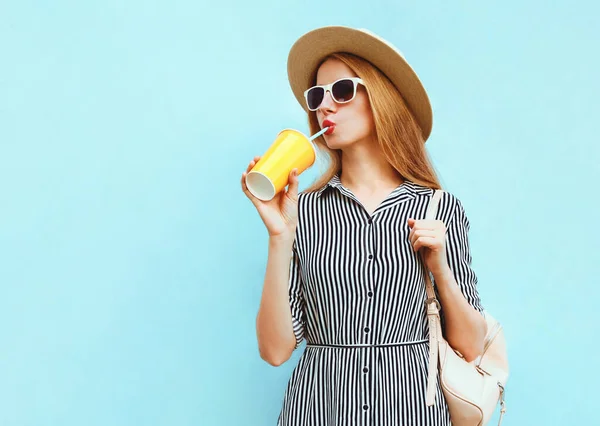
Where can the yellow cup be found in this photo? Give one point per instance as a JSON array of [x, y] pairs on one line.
[[290, 150]]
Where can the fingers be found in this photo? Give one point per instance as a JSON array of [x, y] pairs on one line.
[[433, 239], [416, 234], [430, 242], [245, 174], [244, 187], [424, 224], [436, 226], [292, 191], [250, 166], [252, 163]]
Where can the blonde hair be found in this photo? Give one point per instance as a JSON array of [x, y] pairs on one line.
[[397, 131]]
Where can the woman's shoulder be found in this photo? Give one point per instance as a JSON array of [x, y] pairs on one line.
[[309, 196], [452, 208], [306, 202], [449, 205], [310, 204]]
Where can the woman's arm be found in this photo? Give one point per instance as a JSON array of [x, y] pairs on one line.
[[277, 331], [446, 253], [465, 327]]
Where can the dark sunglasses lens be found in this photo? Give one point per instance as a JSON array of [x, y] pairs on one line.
[[343, 90], [315, 97]]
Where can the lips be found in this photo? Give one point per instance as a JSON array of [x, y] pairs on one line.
[[330, 124]]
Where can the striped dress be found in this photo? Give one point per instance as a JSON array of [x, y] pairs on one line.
[[357, 296]]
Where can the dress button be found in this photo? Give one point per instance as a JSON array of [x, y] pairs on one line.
[[365, 407], [367, 329], [370, 221], [370, 294], [365, 370], [370, 256]]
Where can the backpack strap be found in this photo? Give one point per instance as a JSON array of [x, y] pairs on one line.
[[433, 313]]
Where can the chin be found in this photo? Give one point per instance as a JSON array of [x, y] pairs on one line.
[[333, 145], [334, 142]]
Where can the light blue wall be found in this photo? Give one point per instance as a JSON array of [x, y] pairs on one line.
[[131, 264]]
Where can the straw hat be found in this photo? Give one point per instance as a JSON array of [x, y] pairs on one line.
[[308, 52]]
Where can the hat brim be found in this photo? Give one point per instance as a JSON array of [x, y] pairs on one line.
[[310, 50]]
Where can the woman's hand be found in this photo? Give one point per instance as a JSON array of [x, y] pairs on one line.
[[280, 214], [429, 237]]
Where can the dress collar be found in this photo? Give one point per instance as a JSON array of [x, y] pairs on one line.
[[407, 187]]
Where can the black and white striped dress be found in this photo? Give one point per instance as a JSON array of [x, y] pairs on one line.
[[357, 296]]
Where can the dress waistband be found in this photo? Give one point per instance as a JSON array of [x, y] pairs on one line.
[[366, 345]]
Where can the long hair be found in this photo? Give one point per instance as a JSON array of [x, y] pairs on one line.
[[398, 134]]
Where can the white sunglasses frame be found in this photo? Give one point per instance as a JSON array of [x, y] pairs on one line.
[[328, 87]]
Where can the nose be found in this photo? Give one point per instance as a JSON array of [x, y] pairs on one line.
[[328, 105]]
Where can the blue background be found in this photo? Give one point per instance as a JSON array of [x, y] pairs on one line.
[[131, 264]]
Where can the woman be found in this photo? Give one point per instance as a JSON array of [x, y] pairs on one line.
[[355, 288]]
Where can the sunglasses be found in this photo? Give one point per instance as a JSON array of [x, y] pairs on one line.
[[342, 91]]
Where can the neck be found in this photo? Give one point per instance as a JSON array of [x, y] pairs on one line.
[[365, 169]]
